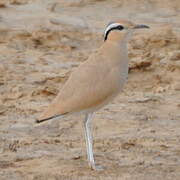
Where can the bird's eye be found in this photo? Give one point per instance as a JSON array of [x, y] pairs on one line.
[[120, 27]]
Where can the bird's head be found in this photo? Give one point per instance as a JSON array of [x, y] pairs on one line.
[[121, 29]]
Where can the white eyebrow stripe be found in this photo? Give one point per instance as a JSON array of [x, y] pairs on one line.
[[113, 25]]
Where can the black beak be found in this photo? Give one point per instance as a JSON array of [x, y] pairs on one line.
[[140, 26]]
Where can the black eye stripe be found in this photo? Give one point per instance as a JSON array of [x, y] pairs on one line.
[[119, 27]]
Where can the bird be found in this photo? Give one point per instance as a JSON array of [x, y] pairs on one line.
[[96, 82]]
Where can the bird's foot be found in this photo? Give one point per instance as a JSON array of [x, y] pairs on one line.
[[97, 167]]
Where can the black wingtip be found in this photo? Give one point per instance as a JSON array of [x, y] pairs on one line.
[[37, 121], [46, 119], [42, 120]]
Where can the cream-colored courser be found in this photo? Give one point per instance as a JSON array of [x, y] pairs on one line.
[[95, 82]]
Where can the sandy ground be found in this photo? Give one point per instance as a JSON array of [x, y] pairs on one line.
[[136, 137]]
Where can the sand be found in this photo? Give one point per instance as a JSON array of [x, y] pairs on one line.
[[136, 137]]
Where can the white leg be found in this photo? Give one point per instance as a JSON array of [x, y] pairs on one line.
[[89, 141]]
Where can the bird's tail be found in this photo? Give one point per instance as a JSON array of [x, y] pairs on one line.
[[53, 111], [49, 118]]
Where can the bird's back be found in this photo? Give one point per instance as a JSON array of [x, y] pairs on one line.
[[94, 83]]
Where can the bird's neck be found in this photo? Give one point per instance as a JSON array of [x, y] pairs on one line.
[[118, 47], [119, 37], [117, 52]]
